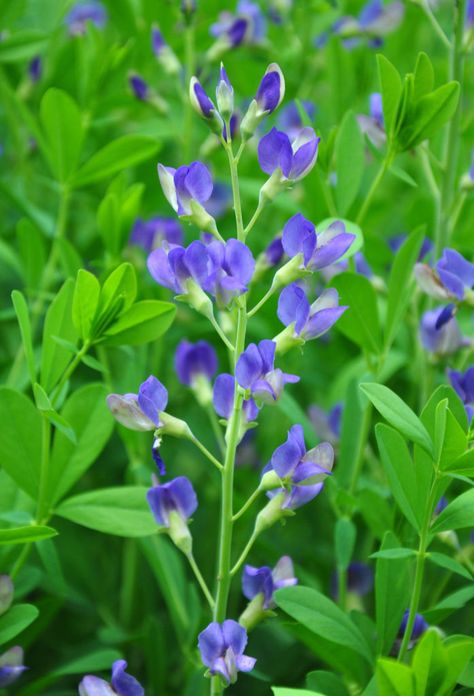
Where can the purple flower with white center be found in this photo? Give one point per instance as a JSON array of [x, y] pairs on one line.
[[225, 97], [35, 68], [163, 53], [199, 99], [294, 160], [265, 581], [302, 472], [463, 385], [122, 684], [271, 90], [223, 400], [156, 232], [309, 321], [6, 593], [188, 183], [290, 120], [139, 87], [248, 25], [441, 334], [11, 666], [194, 361], [176, 496], [317, 250], [255, 371], [222, 648], [83, 12], [327, 425], [140, 411]]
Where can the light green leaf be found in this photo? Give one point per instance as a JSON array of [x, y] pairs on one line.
[[350, 161], [58, 322], [344, 537], [85, 302], [391, 88], [26, 535], [144, 322], [392, 592], [17, 618], [444, 561], [360, 323], [394, 554], [458, 515], [285, 691], [22, 314], [424, 76], [394, 678], [62, 127], [22, 45]]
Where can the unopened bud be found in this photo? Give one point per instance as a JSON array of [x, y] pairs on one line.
[[271, 513], [169, 425]]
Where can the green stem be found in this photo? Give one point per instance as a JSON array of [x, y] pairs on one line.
[[435, 24], [247, 504], [216, 428], [207, 454], [20, 561], [260, 304], [359, 459], [342, 587], [69, 370], [254, 218], [220, 333], [244, 553], [189, 72], [41, 515], [456, 72], [373, 188], [234, 178], [200, 579]]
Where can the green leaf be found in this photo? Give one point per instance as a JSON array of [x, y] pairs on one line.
[[22, 314], [19, 617], [32, 251], [350, 161], [456, 406], [394, 554], [144, 322], [394, 678], [377, 511], [62, 127], [351, 434], [86, 410], [391, 88], [344, 537], [70, 259], [457, 515], [327, 683], [455, 442], [26, 535], [429, 663], [85, 302], [462, 465], [444, 561], [21, 440], [121, 511], [116, 296], [400, 472], [454, 601], [459, 652], [288, 405], [108, 222], [396, 412], [424, 76], [285, 691], [360, 323], [22, 45], [44, 405], [126, 151], [58, 322], [430, 114], [92, 662], [400, 283], [321, 616], [392, 592]]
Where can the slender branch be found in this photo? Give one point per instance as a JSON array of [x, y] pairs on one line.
[[260, 304], [200, 579], [247, 504], [254, 218], [373, 188], [220, 333], [69, 370], [216, 428], [425, 5], [244, 553], [41, 515], [207, 454]]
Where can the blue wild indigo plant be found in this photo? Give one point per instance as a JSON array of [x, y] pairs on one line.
[[236, 451]]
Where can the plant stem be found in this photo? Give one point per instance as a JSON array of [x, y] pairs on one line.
[[189, 72], [207, 454], [41, 515], [373, 188], [200, 579], [456, 72], [20, 561], [69, 370], [234, 178], [247, 504], [244, 553], [359, 460], [220, 333], [342, 587], [254, 218], [216, 428], [435, 24], [260, 304]]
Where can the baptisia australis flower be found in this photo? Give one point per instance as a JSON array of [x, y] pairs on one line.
[[11, 666], [420, 625], [304, 321], [139, 86], [259, 586], [452, 279], [163, 53], [83, 12], [463, 385], [172, 504], [248, 26], [440, 332], [196, 365], [156, 232], [35, 69], [373, 125], [290, 119], [223, 399], [222, 648], [256, 373], [121, 683], [269, 96], [327, 425], [187, 189]]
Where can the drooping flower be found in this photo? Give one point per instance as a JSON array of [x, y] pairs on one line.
[[6, 593], [291, 160], [290, 120], [255, 370], [327, 425], [139, 86], [317, 250], [35, 68], [265, 581], [463, 385], [452, 278], [121, 684], [302, 472], [194, 361], [440, 332], [222, 648], [177, 495], [188, 183], [83, 12], [11, 666], [223, 399], [153, 233], [308, 321]]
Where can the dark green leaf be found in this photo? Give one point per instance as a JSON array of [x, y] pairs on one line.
[[392, 592], [360, 322], [344, 537], [444, 561], [61, 122], [21, 45], [458, 515], [350, 161], [144, 322], [26, 535], [58, 322], [22, 314], [19, 617]]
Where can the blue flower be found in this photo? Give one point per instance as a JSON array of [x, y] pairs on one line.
[[35, 68], [440, 332], [122, 684], [265, 581], [373, 125], [255, 371], [83, 12], [302, 472], [360, 580], [327, 425], [140, 411], [223, 399], [248, 25], [153, 233], [139, 87], [309, 321], [293, 160], [463, 385], [222, 648], [317, 250], [11, 666], [419, 626], [188, 183], [177, 495], [290, 120], [271, 89], [193, 361]]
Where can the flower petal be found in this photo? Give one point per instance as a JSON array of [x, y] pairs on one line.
[[223, 395], [274, 151]]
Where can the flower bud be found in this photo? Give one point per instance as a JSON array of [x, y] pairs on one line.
[[250, 121], [179, 532], [254, 613], [201, 218], [6, 593], [287, 339], [139, 87], [269, 481], [274, 185], [271, 513], [197, 299], [225, 95], [204, 106], [174, 426], [289, 272]]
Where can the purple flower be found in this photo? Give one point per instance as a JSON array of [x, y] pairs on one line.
[[222, 270], [290, 120], [294, 160], [396, 242], [222, 648], [199, 99], [373, 125], [35, 68], [441, 505], [309, 321], [153, 233], [255, 371], [302, 472], [157, 41], [188, 183], [6, 593], [274, 252], [266, 581], [361, 267], [463, 385], [419, 626], [469, 14], [175, 496], [455, 273], [360, 580], [11, 666], [139, 87], [377, 19], [223, 399], [193, 361], [122, 684], [84, 12], [140, 411], [439, 335], [248, 25], [271, 90], [163, 53], [318, 250], [327, 425]]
